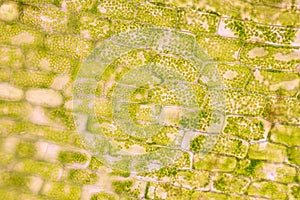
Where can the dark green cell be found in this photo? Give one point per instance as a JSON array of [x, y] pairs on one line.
[[71, 157], [25, 150], [81, 176]]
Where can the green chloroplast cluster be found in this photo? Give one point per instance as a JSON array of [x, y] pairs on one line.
[[143, 83]]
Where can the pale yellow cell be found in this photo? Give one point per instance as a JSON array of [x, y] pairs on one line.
[[10, 92], [229, 74], [287, 85], [225, 31], [44, 97], [60, 82], [257, 52], [258, 76], [22, 38], [135, 150], [170, 116], [296, 41], [294, 55], [9, 11], [38, 116], [35, 184], [45, 64], [161, 193]]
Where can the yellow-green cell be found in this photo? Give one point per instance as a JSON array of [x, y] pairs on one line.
[[76, 5], [94, 163], [234, 76], [267, 151], [69, 45], [13, 180], [115, 9], [111, 75], [270, 3], [196, 21], [284, 110], [162, 173], [93, 124], [35, 2], [268, 189], [239, 196], [47, 61], [25, 150], [120, 173], [60, 137], [108, 75], [266, 56], [18, 35], [215, 162], [16, 110], [48, 133], [260, 12], [232, 8], [134, 58], [140, 95], [168, 191], [49, 171], [103, 196], [196, 120], [191, 179], [230, 184], [103, 107], [165, 136], [15, 194], [249, 30], [111, 129], [122, 187], [289, 18], [247, 167], [6, 158], [82, 176], [93, 27], [61, 190], [32, 79], [71, 157], [289, 135], [231, 146], [268, 82], [5, 72], [82, 105], [11, 56], [294, 155], [219, 48], [275, 172], [208, 195], [243, 103], [61, 116], [83, 87], [122, 26], [294, 191], [164, 96], [184, 161], [177, 67], [6, 126], [46, 18], [245, 127], [143, 113], [158, 15], [201, 93]]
